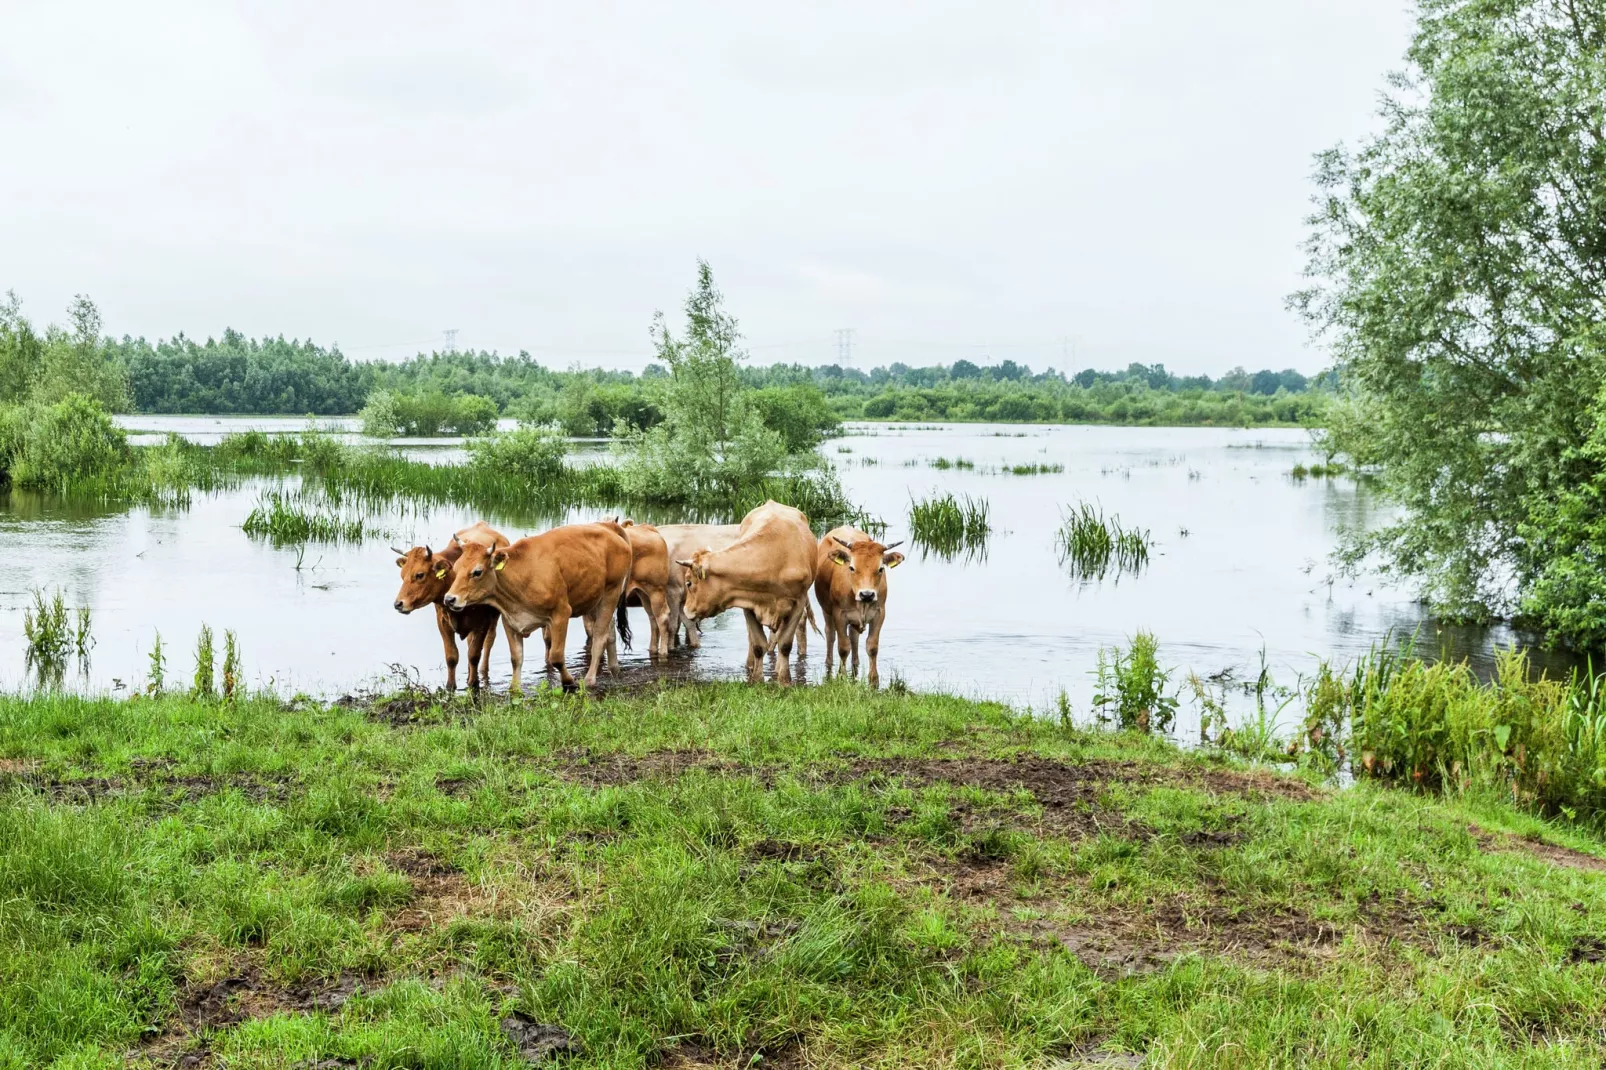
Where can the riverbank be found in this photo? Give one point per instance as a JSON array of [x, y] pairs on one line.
[[701, 875]]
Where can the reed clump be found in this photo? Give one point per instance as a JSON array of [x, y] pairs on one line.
[[949, 524], [283, 521], [1092, 545]]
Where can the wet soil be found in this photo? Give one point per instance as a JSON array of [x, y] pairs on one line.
[[1554, 853], [148, 775]]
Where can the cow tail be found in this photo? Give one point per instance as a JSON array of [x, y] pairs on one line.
[[622, 616], [810, 611]]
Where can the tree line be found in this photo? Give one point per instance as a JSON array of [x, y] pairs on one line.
[[235, 374]]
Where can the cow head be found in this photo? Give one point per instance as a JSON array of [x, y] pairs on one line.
[[425, 576], [703, 588], [475, 576], [867, 562]]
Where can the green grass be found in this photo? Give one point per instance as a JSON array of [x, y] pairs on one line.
[[948, 525], [821, 876], [960, 463], [1033, 469], [1092, 545], [283, 521]]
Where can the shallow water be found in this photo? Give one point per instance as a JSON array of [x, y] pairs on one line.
[[1240, 566]]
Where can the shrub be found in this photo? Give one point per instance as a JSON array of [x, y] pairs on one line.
[[530, 455], [72, 441]]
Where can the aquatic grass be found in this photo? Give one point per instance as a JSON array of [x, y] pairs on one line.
[[1092, 545], [45, 627], [1033, 469], [1330, 470], [960, 463], [949, 524], [283, 522]]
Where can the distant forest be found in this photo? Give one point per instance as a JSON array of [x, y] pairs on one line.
[[239, 375]]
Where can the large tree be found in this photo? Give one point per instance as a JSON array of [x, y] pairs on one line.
[[1458, 265]]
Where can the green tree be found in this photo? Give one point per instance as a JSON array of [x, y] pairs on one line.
[[1458, 262]]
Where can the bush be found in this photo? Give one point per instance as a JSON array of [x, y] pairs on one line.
[[425, 415], [530, 454], [799, 414], [52, 447]]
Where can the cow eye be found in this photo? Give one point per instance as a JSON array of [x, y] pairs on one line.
[[852, 569], [883, 568], [479, 572], [418, 575]]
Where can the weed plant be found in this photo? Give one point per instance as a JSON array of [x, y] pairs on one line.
[[205, 661], [231, 666], [1131, 690]]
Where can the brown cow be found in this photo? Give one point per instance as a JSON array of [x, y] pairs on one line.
[[765, 573], [579, 570], [649, 582], [850, 581], [427, 576]]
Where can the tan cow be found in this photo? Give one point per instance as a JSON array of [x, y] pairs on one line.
[[427, 576], [579, 570], [765, 572], [850, 581], [683, 540], [649, 582]]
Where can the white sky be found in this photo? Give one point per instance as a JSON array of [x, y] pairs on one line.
[[949, 179]]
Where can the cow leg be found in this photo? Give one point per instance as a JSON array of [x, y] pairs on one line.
[[757, 646], [476, 644], [786, 633], [872, 645], [485, 653], [658, 610], [557, 638], [515, 653], [448, 629], [853, 642], [600, 632], [843, 631]]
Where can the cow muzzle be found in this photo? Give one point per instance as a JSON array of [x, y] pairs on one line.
[[867, 596], [451, 601], [400, 606]]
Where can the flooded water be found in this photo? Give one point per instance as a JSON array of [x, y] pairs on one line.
[[1240, 567]]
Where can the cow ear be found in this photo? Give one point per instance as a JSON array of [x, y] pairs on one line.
[[892, 559], [840, 558], [441, 572], [500, 557], [702, 572], [401, 562]]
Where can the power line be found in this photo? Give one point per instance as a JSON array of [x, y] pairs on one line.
[[844, 346], [450, 336]]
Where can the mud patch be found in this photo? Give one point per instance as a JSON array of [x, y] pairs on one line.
[[440, 893], [1555, 854], [614, 769], [694, 1055], [536, 1042], [150, 775], [235, 999]]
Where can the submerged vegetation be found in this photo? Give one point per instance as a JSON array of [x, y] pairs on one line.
[[1092, 545], [949, 524]]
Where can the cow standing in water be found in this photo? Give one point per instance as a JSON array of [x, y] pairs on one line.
[[765, 572], [683, 540], [850, 581], [649, 582], [427, 576], [540, 582]]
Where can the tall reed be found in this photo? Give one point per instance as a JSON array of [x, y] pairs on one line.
[[947, 524], [1091, 545]]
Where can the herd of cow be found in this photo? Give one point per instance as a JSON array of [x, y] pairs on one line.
[[679, 573]]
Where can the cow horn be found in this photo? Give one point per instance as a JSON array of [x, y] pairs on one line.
[[890, 545], [398, 553], [848, 545], [429, 555], [688, 564]]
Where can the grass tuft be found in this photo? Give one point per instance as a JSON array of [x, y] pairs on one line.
[[1092, 546], [948, 525]]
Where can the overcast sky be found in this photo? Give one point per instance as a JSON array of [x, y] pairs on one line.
[[948, 179]]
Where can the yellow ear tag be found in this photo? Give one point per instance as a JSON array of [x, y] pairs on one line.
[[499, 565], [895, 564], [441, 575]]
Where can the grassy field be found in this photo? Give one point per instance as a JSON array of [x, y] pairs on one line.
[[728, 876]]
